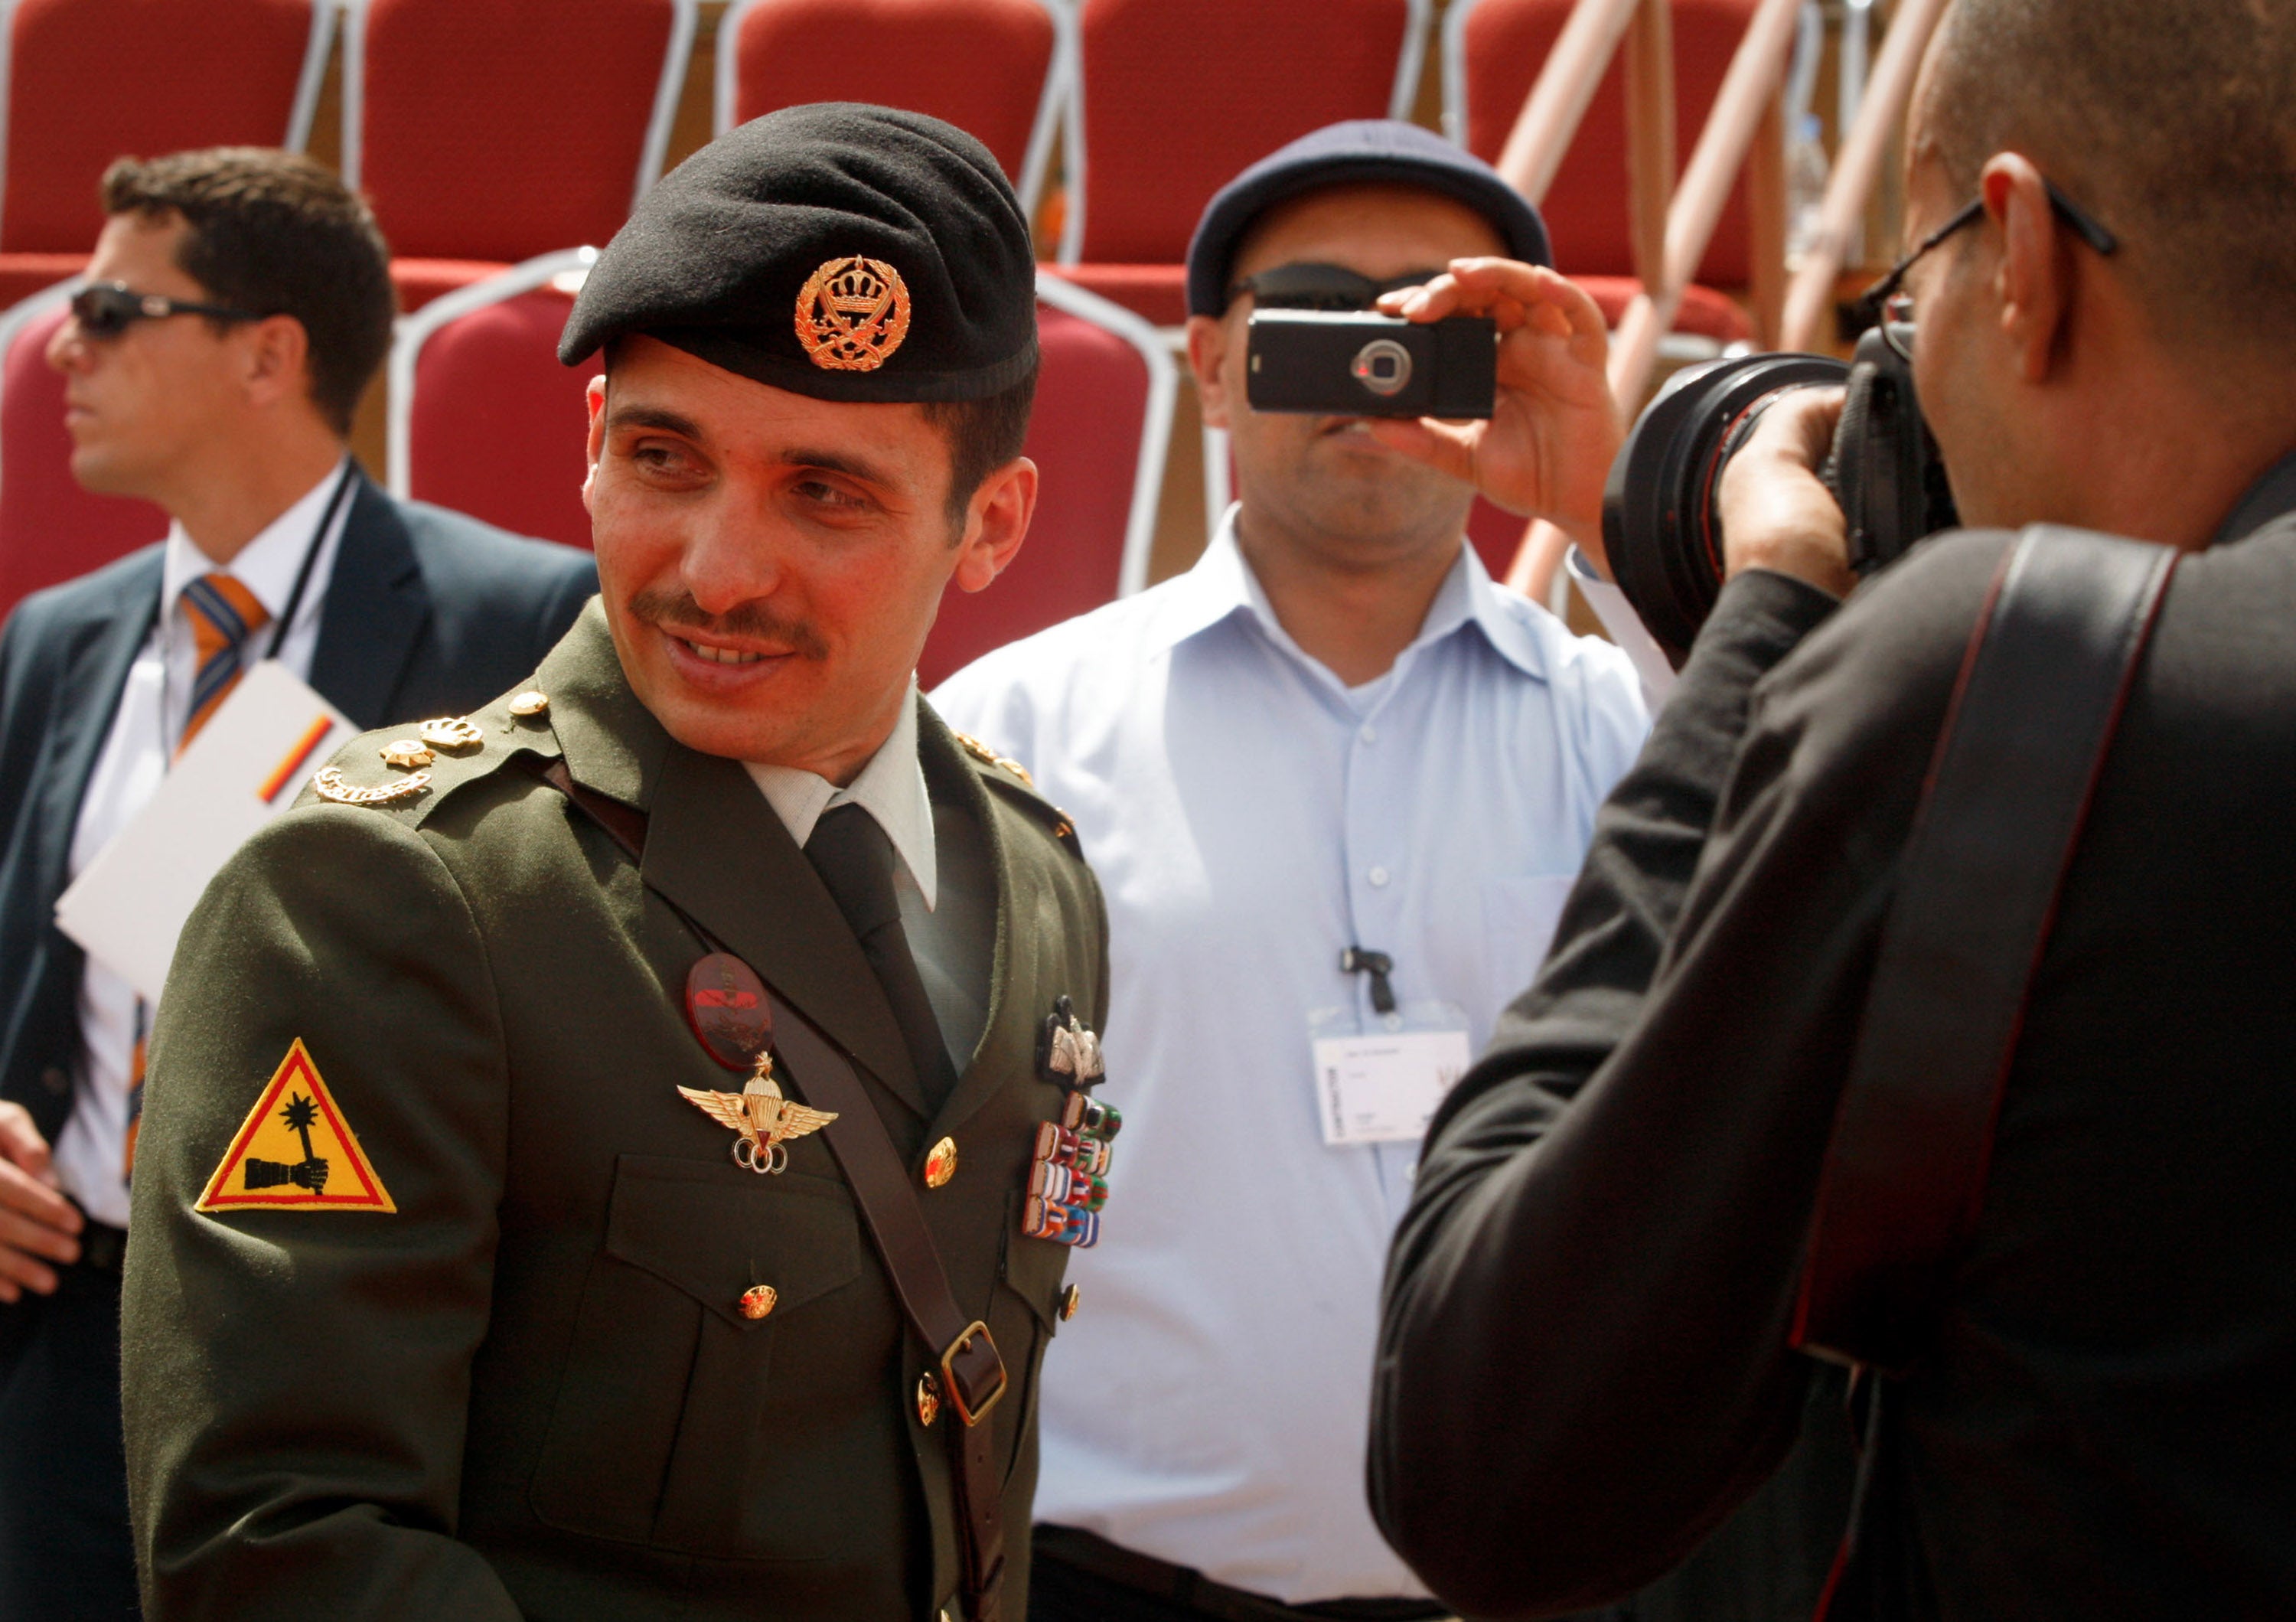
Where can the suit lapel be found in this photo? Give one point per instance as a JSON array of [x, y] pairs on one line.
[[377, 606], [1008, 1042], [88, 698], [715, 849]]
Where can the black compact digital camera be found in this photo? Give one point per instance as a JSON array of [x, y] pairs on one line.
[[1359, 363], [1659, 523]]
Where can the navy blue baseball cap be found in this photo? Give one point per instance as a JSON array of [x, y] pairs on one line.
[[1381, 151]]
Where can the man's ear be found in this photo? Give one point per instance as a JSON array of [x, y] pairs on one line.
[[996, 521], [276, 355], [1207, 348], [2034, 281], [594, 397]]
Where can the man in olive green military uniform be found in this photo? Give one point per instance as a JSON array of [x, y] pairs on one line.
[[570, 1124]]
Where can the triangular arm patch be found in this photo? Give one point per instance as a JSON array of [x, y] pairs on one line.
[[295, 1151]]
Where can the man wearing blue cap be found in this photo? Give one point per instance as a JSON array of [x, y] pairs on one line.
[[1336, 784]]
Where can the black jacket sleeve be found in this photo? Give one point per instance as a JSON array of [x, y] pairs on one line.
[[1583, 1362]]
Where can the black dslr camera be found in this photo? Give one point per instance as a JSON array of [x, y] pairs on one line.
[[1659, 523]]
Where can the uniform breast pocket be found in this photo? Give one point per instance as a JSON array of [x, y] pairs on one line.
[[1520, 914], [668, 1391]]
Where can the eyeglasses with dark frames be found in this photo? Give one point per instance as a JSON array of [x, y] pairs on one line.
[[106, 309], [1893, 308]]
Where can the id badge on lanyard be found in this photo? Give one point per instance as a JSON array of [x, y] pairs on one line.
[[1383, 1085]]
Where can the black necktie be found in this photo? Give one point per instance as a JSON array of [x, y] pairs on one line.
[[855, 860]]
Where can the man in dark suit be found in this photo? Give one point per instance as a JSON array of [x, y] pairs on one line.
[[239, 302], [1587, 1350]]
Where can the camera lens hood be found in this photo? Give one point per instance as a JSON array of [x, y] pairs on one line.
[[1659, 527]]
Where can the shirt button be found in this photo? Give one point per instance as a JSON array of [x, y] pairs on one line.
[[55, 1081], [1378, 877], [1370, 733]]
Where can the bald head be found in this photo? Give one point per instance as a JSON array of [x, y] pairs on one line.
[[2172, 121]]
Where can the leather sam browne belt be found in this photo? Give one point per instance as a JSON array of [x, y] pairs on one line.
[[971, 1371]]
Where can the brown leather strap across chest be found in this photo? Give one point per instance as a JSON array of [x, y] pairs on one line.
[[969, 1371]]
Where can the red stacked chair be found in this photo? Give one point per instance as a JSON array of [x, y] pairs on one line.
[[992, 67], [89, 80], [484, 419], [1176, 96], [51, 531], [485, 134], [1492, 52], [1101, 426]]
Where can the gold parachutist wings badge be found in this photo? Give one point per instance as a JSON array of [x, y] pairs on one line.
[[765, 1118]]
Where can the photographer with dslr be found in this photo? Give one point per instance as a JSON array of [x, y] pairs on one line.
[[1589, 1352]]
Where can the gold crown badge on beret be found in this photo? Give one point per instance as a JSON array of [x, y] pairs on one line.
[[852, 314]]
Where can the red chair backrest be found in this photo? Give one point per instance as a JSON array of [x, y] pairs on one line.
[[503, 130], [1084, 435], [51, 530], [1506, 44], [1179, 96], [89, 80], [979, 64], [498, 425]]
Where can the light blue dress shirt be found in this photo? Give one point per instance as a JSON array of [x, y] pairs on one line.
[[1248, 816]]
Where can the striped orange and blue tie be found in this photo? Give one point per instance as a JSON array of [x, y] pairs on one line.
[[224, 615]]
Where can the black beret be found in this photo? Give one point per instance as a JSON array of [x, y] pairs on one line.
[[841, 250], [1361, 150]]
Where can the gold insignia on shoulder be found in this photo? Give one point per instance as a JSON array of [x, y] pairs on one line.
[[406, 754], [852, 314], [331, 785], [762, 1116], [453, 733], [530, 702], [980, 751]]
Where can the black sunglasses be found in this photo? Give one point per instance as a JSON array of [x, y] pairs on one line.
[[1885, 303], [106, 309], [1322, 287]]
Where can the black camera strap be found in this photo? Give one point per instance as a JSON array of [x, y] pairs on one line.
[[2040, 696], [2040, 692]]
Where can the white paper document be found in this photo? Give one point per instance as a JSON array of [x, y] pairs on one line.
[[1384, 1089], [247, 764]]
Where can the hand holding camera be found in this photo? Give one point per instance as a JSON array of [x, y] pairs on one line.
[[1553, 426], [1776, 509]]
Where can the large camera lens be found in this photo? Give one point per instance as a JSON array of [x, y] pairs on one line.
[[1660, 527]]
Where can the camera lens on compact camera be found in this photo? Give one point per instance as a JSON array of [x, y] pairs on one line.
[[1660, 525], [1383, 367]]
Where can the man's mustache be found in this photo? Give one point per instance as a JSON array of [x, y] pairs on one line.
[[678, 611]]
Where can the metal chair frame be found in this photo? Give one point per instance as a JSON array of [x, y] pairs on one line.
[[1410, 58], [300, 115], [1155, 421], [1034, 164], [676, 55], [413, 331]]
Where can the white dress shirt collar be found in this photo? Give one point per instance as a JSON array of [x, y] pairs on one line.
[[267, 565], [892, 788], [1222, 585]]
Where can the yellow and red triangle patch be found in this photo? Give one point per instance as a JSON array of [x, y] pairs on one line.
[[295, 1151]]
